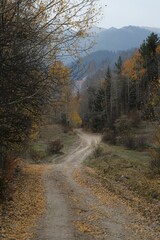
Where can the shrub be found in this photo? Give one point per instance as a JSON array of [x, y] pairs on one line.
[[55, 146], [136, 117], [12, 165], [67, 129], [129, 141], [155, 151], [134, 142], [123, 124], [141, 142], [37, 155], [155, 162], [3, 188], [109, 136], [98, 151]]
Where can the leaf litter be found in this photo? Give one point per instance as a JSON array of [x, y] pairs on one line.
[[143, 227], [21, 214]]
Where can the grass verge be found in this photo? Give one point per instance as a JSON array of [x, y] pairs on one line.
[[38, 148], [127, 173]]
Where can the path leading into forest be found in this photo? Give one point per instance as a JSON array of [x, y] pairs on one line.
[[79, 208]]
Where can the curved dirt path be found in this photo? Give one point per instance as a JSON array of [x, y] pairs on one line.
[[79, 208]]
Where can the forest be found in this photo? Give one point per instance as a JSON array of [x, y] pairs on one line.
[[118, 99]]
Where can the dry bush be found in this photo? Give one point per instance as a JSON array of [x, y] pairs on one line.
[[123, 125], [67, 129], [124, 130], [3, 188], [136, 118], [109, 136], [98, 151], [134, 142], [141, 142], [155, 162], [37, 155], [129, 141], [55, 146], [155, 151], [12, 167]]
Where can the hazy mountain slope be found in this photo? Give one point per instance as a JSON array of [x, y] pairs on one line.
[[98, 57], [120, 39], [155, 30], [110, 44]]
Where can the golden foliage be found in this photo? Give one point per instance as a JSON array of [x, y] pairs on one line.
[[59, 72], [73, 114], [75, 119], [133, 67], [61, 83]]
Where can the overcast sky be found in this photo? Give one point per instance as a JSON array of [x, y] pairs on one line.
[[119, 13]]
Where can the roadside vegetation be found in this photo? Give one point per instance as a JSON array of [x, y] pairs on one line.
[[120, 166], [53, 140], [130, 170]]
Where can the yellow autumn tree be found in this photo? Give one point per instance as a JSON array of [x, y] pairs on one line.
[[133, 67], [65, 105], [75, 119], [74, 116], [60, 79]]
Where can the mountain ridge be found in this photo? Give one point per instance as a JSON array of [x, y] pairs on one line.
[[117, 39]]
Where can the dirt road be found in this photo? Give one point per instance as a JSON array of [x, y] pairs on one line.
[[79, 208]]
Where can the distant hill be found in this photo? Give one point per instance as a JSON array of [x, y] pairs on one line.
[[125, 38], [99, 57], [104, 58], [112, 43], [155, 30], [111, 39]]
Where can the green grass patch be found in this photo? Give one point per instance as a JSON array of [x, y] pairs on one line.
[[38, 148], [126, 169]]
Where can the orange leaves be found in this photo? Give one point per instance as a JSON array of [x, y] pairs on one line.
[[133, 67], [128, 68]]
